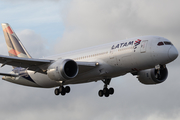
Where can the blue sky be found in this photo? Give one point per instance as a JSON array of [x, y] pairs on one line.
[[46, 27], [44, 18]]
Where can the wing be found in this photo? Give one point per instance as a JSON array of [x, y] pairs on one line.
[[38, 65]]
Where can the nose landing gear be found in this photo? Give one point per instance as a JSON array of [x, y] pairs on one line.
[[105, 91]]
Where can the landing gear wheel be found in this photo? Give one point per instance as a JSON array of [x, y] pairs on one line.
[[63, 93], [106, 92], [67, 89], [56, 91], [61, 89], [100, 93], [111, 91]]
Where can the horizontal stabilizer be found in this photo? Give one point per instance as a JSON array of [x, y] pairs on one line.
[[9, 74]]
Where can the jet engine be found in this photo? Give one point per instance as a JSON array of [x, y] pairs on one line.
[[153, 76], [62, 70]]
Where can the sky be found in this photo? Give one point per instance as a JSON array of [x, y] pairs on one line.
[[48, 27]]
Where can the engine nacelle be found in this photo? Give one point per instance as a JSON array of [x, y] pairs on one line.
[[62, 70], [153, 76]]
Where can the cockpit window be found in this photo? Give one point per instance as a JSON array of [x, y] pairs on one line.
[[167, 43], [160, 43]]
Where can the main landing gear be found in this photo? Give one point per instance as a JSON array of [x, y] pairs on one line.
[[63, 90], [105, 91]]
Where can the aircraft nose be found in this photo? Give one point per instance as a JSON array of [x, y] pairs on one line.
[[173, 53]]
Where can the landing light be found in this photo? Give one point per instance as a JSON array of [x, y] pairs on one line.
[[97, 64]]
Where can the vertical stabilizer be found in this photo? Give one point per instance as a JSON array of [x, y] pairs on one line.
[[14, 45]]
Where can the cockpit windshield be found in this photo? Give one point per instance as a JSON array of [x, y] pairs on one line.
[[160, 43], [164, 43], [167, 43]]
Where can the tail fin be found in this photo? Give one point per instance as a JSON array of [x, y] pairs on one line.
[[14, 45]]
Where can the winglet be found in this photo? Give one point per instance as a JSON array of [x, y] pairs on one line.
[[14, 45]]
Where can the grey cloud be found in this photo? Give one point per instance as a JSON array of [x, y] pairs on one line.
[[12, 1], [96, 22], [34, 43]]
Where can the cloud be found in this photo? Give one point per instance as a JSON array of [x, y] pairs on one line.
[[34, 43], [89, 23], [30, 1], [21, 13]]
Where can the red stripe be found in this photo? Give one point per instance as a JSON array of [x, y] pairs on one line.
[[14, 52], [8, 30]]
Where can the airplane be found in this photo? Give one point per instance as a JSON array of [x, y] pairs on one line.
[[145, 57]]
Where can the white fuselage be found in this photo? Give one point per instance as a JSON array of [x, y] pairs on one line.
[[114, 59]]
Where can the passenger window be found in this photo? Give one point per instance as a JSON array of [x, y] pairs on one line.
[[160, 43], [167, 43]]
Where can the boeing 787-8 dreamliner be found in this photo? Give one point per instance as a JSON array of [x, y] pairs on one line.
[[144, 56]]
